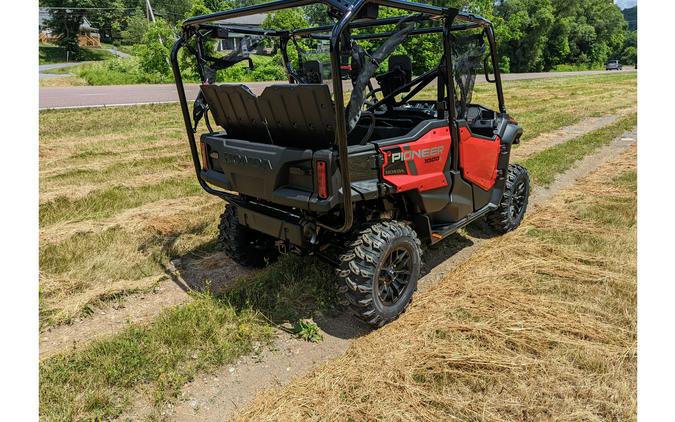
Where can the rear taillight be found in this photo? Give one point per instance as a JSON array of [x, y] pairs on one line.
[[205, 157], [322, 179]]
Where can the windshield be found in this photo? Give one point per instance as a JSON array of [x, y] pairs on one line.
[[468, 55]]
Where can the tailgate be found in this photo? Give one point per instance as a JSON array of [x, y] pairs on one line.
[[278, 174]]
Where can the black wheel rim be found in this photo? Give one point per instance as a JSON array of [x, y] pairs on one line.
[[394, 275], [518, 201]]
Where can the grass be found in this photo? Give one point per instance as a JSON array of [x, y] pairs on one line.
[[50, 53], [539, 324], [110, 167], [109, 225], [209, 331], [545, 165], [100, 383]]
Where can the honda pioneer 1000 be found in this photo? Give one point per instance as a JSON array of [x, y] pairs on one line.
[[360, 183]]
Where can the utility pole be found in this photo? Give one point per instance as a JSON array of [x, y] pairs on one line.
[[150, 13]]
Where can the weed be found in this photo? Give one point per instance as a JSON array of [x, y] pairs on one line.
[[307, 330]]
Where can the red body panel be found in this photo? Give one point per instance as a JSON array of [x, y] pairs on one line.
[[418, 164], [478, 158]]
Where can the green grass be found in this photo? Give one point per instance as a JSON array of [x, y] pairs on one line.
[[100, 381], [544, 166], [50, 53]]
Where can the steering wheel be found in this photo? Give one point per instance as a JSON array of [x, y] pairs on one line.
[[371, 128]]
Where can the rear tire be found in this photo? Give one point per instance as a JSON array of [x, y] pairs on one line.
[[379, 272], [245, 246], [513, 205]]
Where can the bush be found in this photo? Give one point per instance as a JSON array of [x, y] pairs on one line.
[[120, 72]]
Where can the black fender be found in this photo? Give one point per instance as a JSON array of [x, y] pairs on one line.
[[510, 133]]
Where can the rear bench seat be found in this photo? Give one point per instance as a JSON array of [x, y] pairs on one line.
[[290, 115]]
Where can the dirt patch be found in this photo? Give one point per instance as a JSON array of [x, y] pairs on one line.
[[170, 290]]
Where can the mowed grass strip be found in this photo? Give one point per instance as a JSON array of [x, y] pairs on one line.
[[539, 324], [104, 203], [545, 165], [102, 380]]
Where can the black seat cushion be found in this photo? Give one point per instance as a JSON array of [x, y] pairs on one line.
[[235, 108], [299, 115]]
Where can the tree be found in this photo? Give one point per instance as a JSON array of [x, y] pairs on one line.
[[136, 27], [285, 19], [526, 34], [153, 53], [66, 22], [172, 11]]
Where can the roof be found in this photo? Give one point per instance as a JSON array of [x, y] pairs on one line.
[[44, 16], [85, 26]]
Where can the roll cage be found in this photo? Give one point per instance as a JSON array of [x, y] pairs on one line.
[[349, 14]]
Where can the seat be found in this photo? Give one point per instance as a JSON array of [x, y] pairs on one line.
[[399, 73], [235, 108], [299, 115]]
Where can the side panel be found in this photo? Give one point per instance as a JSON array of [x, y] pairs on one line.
[[478, 158], [419, 164]]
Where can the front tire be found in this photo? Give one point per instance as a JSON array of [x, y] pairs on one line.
[[245, 246], [513, 205], [379, 272]]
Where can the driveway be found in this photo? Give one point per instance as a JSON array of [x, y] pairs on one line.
[[102, 96], [52, 66]]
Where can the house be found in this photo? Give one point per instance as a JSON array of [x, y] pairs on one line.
[[233, 41], [87, 36]]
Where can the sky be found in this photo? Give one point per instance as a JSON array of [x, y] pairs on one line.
[[623, 4]]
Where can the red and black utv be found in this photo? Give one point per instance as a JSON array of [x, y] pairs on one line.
[[359, 183]]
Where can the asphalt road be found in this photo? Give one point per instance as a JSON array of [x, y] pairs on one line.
[[116, 95]]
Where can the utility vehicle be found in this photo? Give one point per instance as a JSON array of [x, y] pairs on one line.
[[361, 183]]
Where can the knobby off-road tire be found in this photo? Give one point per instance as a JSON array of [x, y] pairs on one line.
[[378, 273], [245, 246], [512, 207]]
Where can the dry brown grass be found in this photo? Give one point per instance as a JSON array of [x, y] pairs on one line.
[[539, 324]]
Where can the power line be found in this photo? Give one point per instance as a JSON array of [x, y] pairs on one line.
[[90, 8]]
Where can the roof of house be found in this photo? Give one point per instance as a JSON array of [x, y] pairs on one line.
[[44, 16]]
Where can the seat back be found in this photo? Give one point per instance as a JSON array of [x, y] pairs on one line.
[[235, 108], [299, 115]]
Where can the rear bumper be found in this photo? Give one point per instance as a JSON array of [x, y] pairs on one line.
[[277, 227], [280, 175]]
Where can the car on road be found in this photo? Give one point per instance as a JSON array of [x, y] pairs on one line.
[[613, 65]]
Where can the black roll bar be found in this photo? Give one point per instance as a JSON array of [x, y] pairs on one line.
[[188, 123], [489, 30]]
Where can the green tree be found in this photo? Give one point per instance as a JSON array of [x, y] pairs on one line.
[[156, 47], [66, 22], [524, 41], [136, 27], [285, 19], [173, 11]]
